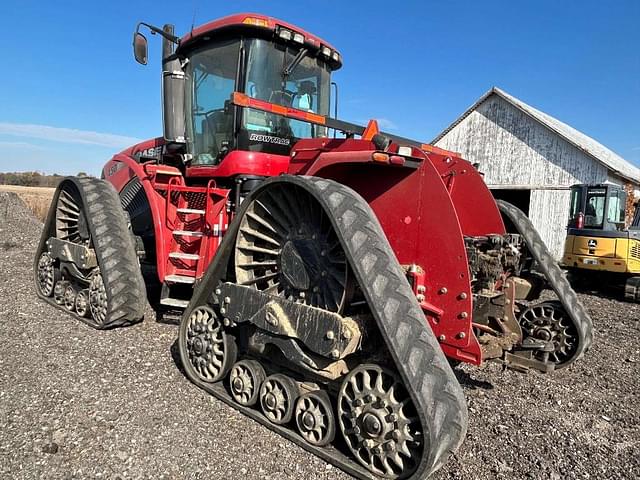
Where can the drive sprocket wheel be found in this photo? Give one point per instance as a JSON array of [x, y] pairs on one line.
[[549, 322], [286, 246], [71, 221], [315, 419], [379, 422], [46, 274], [211, 350], [278, 395], [98, 299], [245, 380]]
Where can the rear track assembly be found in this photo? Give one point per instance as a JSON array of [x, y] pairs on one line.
[[580, 324]]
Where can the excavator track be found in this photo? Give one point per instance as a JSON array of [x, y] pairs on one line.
[[555, 277], [87, 230], [422, 367]]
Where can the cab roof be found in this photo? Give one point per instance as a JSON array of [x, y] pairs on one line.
[[250, 23]]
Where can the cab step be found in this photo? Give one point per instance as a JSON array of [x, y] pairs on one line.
[[174, 302], [186, 233], [179, 279], [184, 256], [190, 210]]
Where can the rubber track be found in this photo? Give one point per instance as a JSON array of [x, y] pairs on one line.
[[418, 357], [115, 251], [555, 277]]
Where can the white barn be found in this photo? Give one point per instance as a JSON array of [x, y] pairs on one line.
[[531, 159]]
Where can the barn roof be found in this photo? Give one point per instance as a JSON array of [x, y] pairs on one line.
[[582, 142]]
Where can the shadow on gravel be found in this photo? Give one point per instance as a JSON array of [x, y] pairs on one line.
[[467, 381], [175, 355]]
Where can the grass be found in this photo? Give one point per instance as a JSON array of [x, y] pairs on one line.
[[38, 199]]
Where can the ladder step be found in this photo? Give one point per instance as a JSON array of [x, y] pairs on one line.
[[190, 210], [179, 279], [185, 233], [184, 256], [174, 302]]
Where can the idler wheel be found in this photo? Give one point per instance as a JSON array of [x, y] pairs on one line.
[[278, 395], [379, 422], [245, 380], [315, 419], [210, 349], [46, 274], [549, 322], [98, 301]]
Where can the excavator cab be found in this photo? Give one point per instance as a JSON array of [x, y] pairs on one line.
[[597, 207]]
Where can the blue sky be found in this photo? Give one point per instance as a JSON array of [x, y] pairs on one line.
[[71, 94]]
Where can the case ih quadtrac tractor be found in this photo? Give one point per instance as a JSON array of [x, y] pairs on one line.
[[324, 270]]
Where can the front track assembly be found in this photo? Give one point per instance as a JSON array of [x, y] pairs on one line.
[[306, 323], [86, 262]]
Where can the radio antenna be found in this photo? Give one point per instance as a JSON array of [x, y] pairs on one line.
[[193, 20]]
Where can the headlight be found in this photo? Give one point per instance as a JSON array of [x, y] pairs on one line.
[[298, 38], [285, 34]]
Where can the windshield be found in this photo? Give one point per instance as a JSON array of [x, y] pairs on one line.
[[594, 209], [211, 78], [305, 88]]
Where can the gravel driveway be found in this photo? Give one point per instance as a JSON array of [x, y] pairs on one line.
[[77, 403]]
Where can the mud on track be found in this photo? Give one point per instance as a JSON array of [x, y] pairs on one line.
[[114, 404]]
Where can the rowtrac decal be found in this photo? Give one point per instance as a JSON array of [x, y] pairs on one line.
[[258, 137]]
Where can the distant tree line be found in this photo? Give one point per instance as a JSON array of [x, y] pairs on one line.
[[32, 179]]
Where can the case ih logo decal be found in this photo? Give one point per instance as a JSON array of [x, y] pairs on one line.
[[592, 243], [257, 137], [153, 152]]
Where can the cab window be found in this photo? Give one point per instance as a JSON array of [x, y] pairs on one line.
[[616, 208], [594, 209]]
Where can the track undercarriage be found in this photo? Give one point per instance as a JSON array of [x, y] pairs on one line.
[[307, 324], [86, 262]]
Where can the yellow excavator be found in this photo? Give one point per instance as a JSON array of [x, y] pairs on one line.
[[599, 247]]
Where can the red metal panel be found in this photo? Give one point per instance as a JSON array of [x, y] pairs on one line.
[[240, 162], [122, 168], [420, 221], [476, 208]]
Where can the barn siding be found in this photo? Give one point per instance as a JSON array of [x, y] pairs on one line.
[[549, 212], [515, 150]]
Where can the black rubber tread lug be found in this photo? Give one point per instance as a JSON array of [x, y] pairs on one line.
[[435, 391], [115, 251], [555, 277]]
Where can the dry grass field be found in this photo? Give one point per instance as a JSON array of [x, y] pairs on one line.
[[37, 199]]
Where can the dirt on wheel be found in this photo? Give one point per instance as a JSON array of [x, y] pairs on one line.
[[81, 403]]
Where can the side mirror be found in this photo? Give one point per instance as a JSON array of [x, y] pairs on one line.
[[140, 48]]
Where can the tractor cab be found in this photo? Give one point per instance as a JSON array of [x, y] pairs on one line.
[[597, 207], [245, 84]]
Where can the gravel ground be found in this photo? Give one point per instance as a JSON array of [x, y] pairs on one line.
[[76, 403]]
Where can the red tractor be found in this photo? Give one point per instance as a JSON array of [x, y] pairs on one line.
[[323, 270]]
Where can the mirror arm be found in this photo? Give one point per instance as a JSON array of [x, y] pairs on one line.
[[159, 31]]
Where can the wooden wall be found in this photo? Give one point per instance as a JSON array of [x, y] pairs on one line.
[[516, 151]]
